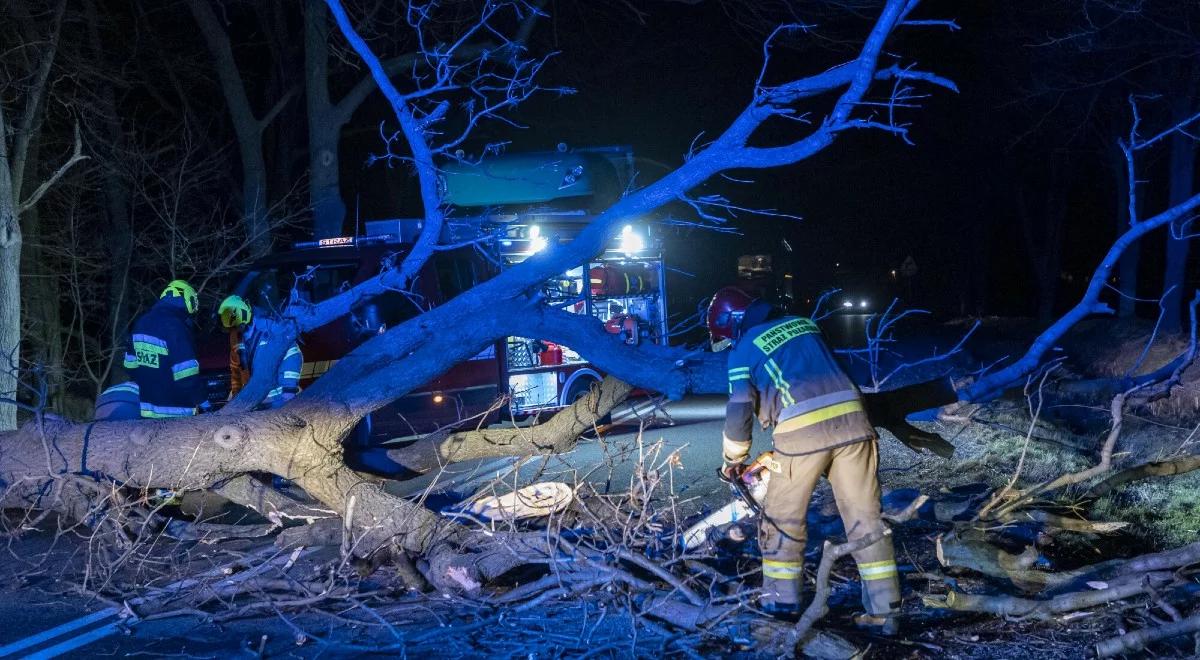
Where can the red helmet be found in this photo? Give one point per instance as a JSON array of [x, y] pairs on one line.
[[725, 312]]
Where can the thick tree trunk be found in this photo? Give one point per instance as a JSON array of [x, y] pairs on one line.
[[116, 190], [11, 246], [324, 192], [299, 442], [10, 300], [324, 126], [16, 197], [246, 125], [558, 435], [119, 243], [1180, 179], [254, 188]]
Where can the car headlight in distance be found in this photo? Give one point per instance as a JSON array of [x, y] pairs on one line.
[[847, 304], [862, 304]]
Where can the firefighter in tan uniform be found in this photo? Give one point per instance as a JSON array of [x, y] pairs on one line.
[[781, 372]]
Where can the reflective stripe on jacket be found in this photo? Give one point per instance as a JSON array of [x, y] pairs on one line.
[[783, 373]]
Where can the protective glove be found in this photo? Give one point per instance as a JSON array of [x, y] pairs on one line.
[[731, 471], [733, 456]]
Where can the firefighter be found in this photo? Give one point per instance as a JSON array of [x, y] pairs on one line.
[[781, 371], [247, 334], [162, 356]]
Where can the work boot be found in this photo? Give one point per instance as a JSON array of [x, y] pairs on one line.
[[884, 625], [789, 612]]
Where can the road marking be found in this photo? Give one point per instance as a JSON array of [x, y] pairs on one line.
[[48, 635], [74, 643], [105, 631]]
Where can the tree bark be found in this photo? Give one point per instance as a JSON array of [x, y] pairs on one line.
[[556, 436], [1045, 609], [325, 124], [10, 293], [13, 168]]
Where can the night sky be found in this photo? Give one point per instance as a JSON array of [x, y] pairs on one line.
[[679, 70], [657, 74]]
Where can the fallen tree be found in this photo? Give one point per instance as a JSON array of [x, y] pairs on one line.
[[54, 465]]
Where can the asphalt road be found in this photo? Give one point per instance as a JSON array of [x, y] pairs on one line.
[[610, 465]]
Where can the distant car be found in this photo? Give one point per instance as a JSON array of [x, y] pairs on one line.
[[850, 304]]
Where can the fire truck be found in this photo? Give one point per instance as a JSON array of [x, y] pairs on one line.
[[504, 209]]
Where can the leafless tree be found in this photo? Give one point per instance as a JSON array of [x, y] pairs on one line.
[[301, 441], [22, 112]]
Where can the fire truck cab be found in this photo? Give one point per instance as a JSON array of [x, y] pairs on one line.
[[508, 208]]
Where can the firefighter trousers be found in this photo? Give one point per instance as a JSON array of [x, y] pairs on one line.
[[851, 470]]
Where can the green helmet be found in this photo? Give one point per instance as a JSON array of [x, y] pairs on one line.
[[234, 312], [181, 289]]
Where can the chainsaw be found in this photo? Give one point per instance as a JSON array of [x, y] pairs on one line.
[[751, 482], [748, 489]]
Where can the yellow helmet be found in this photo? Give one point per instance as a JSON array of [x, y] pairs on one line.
[[181, 289], [234, 312]]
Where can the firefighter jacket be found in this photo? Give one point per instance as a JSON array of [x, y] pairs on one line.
[[162, 361], [287, 377], [782, 372], [121, 401]]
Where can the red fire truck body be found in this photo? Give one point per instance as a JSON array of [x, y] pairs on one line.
[[623, 287]]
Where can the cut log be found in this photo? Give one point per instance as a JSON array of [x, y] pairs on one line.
[[1181, 465], [557, 435], [1012, 606], [982, 557], [1133, 642]]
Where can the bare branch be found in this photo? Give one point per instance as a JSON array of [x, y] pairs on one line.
[[76, 157]]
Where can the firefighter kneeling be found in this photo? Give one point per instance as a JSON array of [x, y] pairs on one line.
[[781, 370]]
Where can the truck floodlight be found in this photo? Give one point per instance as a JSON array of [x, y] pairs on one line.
[[631, 241], [537, 242]]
